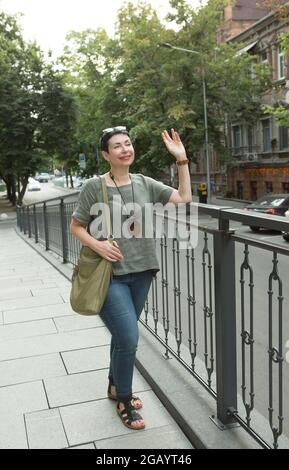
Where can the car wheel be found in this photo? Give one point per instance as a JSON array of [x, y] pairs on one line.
[[254, 229], [285, 235]]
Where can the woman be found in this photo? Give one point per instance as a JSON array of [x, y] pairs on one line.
[[133, 257]]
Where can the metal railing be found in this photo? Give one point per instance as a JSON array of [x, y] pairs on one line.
[[220, 308]]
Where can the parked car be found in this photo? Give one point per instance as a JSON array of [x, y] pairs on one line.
[[61, 181], [272, 204], [285, 235], [33, 185], [43, 177]]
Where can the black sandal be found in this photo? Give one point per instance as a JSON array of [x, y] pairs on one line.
[[134, 399], [129, 415]]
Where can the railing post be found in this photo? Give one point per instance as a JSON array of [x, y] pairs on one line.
[[35, 224], [63, 231], [46, 233], [19, 218], [225, 309], [24, 220], [29, 223]]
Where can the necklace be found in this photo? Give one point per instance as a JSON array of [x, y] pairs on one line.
[[133, 226]]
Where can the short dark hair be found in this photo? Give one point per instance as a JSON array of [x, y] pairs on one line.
[[107, 134]]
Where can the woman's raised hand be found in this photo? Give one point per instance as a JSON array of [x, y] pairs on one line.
[[174, 145]]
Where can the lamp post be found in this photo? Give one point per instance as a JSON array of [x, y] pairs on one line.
[[190, 51]]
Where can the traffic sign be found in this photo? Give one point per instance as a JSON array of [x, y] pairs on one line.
[[82, 162]]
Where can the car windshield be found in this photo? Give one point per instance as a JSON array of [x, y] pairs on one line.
[[271, 201]]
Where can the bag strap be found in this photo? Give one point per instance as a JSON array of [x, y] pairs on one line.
[[107, 211]]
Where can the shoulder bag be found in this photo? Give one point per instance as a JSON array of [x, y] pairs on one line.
[[92, 274]]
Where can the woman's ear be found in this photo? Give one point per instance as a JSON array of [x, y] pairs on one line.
[[105, 155]]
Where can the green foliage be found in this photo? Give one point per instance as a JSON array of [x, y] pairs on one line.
[[37, 115], [128, 80], [280, 112]]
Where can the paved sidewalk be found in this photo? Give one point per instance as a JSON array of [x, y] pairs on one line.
[[53, 366]]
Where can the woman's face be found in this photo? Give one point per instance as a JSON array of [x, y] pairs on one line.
[[120, 151]]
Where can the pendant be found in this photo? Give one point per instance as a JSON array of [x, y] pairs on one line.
[[133, 226], [134, 229]]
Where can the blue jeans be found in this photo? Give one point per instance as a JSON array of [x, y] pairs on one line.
[[120, 313]]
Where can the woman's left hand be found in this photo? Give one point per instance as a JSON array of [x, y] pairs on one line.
[[174, 145]]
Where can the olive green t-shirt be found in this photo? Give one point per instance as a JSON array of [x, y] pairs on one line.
[[139, 253]]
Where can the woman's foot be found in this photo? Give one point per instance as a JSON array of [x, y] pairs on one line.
[[130, 418], [135, 401]]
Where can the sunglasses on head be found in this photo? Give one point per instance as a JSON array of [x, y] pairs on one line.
[[113, 129]]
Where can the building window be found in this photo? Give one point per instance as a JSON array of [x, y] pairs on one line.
[[236, 140], [269, 187], [266, 135], [264, 58], [281, 63], [285, 187], [253, 190], [250, 136], [283, 138]]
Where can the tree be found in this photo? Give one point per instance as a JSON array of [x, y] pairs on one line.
[[87, 67], [33, 110], [132, 81]]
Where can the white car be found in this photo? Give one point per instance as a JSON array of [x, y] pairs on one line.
[[33, 185], [43, 177]]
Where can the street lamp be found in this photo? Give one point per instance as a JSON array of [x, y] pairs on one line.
[[190, 51]]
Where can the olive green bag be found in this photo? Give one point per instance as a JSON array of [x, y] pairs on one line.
[[91, 277]]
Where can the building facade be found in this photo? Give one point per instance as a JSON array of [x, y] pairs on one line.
[[260, 151]]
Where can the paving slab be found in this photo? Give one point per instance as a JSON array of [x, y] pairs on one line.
[[37, 313], [45, 430], [165, 437], [46, 344], [45, 299], [27, 329], [63, 291], [77, 322], [89, 446], [4, 283], [99, 420], [83, 387], [86, 359], [30, 369], [14, 402], [12, 293], [12, 431]]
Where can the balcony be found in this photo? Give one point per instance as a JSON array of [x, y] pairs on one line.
[[248, 154]]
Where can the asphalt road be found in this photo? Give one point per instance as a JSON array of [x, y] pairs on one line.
[[48, 191]]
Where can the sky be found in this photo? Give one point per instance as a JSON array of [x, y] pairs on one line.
[[48, 21]]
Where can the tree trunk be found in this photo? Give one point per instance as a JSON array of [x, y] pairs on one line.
[[71, 180], [6, 183], [18, 185], [11, 189], [22, 192]]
